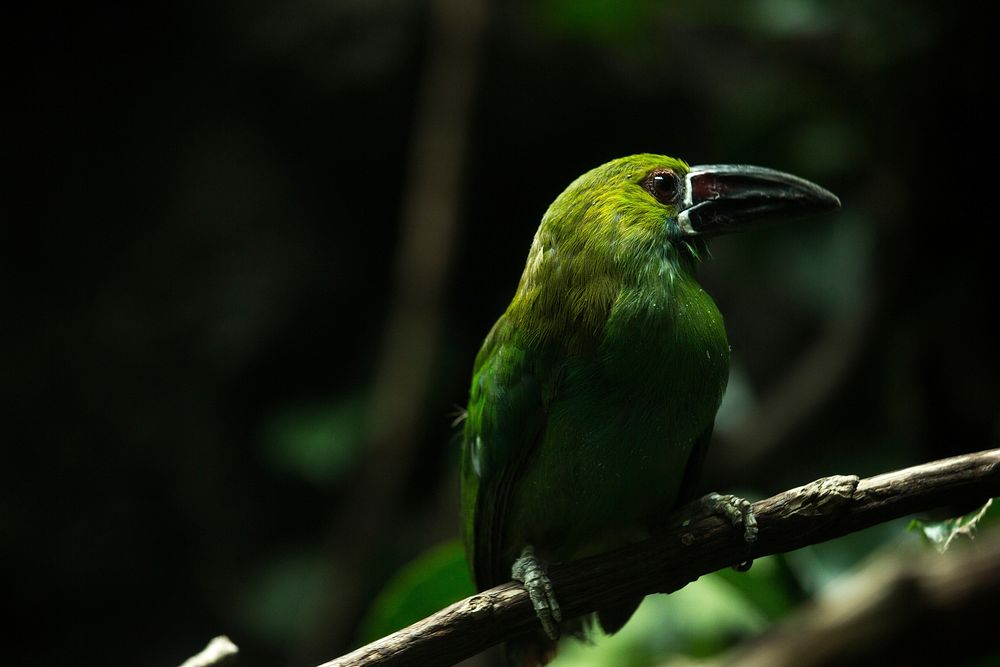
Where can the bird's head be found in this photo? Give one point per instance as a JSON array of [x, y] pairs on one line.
[[643, 220], [646, 203]]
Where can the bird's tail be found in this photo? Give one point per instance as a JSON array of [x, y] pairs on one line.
[[613, 618], [533, 652], [538, 650]]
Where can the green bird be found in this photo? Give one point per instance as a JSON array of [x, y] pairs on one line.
[[594, 394]]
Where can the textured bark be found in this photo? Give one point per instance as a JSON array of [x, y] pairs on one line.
[[902, 609], [820, 511]]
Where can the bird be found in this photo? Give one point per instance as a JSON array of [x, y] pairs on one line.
[[594, 394]]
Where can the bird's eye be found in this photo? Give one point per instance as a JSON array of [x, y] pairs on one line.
[[662, 184]]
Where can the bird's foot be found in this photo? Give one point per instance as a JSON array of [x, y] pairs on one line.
[[739, 512], [531, 572]]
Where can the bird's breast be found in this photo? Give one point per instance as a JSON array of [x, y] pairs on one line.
[[623, 422]]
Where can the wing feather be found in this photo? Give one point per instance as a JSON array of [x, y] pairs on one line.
[[506, 421]]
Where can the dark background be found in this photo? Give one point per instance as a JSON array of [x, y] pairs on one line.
[[204, 213]]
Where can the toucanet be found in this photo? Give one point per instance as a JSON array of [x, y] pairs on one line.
[[594, 394]]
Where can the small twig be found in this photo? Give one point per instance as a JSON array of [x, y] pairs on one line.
[[820, 511], [220, 651]]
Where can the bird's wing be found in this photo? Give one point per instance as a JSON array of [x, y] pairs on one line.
[[613, 618], [505, 422], [691, 481]]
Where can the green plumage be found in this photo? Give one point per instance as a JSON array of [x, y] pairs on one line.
[[593, 396], [593, 389]]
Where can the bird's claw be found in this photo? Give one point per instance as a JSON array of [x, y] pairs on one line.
[[529, 571], [738, 510]]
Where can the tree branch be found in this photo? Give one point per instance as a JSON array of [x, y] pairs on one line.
[[820, 511], [883, 614]]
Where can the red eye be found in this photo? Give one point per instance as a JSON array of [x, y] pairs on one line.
[[662, 184]]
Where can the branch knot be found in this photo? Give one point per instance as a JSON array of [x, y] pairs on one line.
[[821, 497]]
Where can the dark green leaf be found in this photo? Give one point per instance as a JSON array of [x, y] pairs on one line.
[[434, 580]]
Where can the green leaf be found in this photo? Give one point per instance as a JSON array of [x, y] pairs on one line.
[[942, 533], [318, 441], [437, 578]]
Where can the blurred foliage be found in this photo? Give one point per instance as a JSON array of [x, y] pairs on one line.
[[201, 227], [699, 620], [319, 443], [439, 577], [291, 587]]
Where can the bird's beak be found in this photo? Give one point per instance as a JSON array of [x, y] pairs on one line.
[[723, 198]]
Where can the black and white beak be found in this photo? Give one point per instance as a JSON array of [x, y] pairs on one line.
[[724, 198]]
